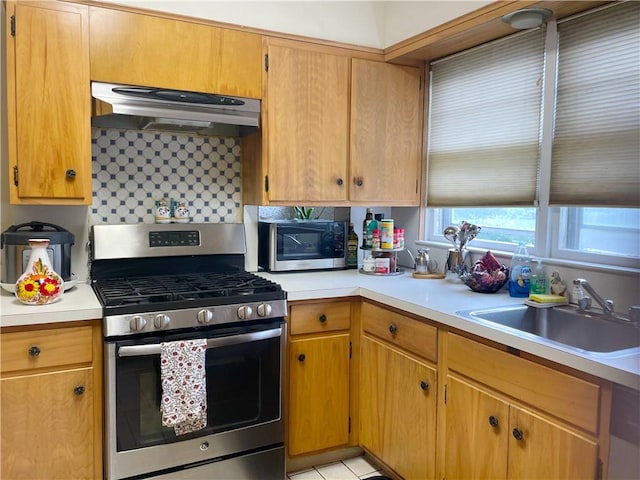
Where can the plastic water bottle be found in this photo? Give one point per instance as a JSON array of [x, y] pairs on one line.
[[520, 274]]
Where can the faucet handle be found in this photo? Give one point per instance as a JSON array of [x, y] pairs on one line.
[[634, 314], [584, 303]]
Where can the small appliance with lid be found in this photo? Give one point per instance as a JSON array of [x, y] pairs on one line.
[[14, 243]]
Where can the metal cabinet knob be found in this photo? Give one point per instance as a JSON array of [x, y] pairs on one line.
[[340, 182], [322, 318], [79, 390], [393, 329], [70, 173], [424, 385], [34, 351], [493, 421], [358, 181], [302, 357], [517, 434]]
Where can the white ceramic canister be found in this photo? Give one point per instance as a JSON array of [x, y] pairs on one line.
[[386, 233]]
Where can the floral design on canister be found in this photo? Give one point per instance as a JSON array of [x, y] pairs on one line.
[[39, 284]]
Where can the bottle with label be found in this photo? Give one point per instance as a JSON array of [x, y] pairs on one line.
[[373, 225], [520, 273], [366, 238], [375, 239], [539, 281], [352, 248]]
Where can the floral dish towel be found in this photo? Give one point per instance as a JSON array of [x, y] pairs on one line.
[[184, 391]]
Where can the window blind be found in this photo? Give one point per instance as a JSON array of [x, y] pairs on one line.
[[596, 147], [484, 124]]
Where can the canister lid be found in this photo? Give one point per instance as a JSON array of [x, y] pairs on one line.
[[22, 233]]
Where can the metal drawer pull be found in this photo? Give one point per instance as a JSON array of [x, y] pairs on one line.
[[34, 351], [493, 421], [154, 349], [302, 357], [322, 318], [393, 329], [517, 434], [424, 385], [79, 390]]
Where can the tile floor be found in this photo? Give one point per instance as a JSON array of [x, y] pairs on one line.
[[356, 468]]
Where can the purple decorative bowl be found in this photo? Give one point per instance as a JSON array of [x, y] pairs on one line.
[[484, 282]]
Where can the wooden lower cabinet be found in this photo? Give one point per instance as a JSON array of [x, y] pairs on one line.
[[319, 377], [51, 403], [507, 417], [398, 409], [486, 437]]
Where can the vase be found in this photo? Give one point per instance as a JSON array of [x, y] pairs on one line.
[[39, 284]]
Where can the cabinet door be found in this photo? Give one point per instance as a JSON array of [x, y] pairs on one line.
[[386, 135], [318, 393], [541, 449], [477, 429], [397, 410], [307, 124], [49, 103], [46, 426], [151, 51]]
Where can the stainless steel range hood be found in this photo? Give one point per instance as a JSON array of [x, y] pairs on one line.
[[144, 108]]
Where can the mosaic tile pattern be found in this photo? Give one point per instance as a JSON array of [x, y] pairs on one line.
[[133, 169]]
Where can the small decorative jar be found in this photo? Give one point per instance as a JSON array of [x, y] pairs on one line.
[[162, 212], [181, 212], [39, 284]]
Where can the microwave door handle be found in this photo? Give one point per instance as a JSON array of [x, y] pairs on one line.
[[154, 349]]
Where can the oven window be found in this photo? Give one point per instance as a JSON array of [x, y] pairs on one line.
[[308, 241], [243, 388]]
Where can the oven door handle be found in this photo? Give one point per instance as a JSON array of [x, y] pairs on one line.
[[154, 349]]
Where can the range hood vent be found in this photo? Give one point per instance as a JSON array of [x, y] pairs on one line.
[[144, 108]]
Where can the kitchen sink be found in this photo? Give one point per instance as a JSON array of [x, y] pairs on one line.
[[565, 325]]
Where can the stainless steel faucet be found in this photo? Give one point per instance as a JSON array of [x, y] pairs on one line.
[[584, 304]]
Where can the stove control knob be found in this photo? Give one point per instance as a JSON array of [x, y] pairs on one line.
[[245, 312], [204, 316], [137, 323], [264, 310], [161, 321]]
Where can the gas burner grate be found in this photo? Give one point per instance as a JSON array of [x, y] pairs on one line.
[[182, 288]]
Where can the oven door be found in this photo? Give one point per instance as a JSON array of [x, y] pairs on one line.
[[244, 400]]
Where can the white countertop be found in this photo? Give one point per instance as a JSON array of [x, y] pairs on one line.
[[78, 303], [438, 300]]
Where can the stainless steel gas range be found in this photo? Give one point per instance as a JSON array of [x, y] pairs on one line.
[[167, 283]]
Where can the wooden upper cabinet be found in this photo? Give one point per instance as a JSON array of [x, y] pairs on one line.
[[48, 103], [307, 124], [386, 133], [139, 49]]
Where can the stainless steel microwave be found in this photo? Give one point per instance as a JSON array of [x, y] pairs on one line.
[[296, 245]]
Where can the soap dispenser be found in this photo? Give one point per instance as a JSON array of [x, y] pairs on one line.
[[539, 283]]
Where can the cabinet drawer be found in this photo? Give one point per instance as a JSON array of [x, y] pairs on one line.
[[46, 348], [412, 335], [566, 397], [319, 317]]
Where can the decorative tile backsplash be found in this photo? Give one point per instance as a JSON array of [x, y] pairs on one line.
[[133, 169]]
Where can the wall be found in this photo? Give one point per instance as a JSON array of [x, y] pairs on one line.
[[377, 24]]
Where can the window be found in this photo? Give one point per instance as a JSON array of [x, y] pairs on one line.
[[581, 174]]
